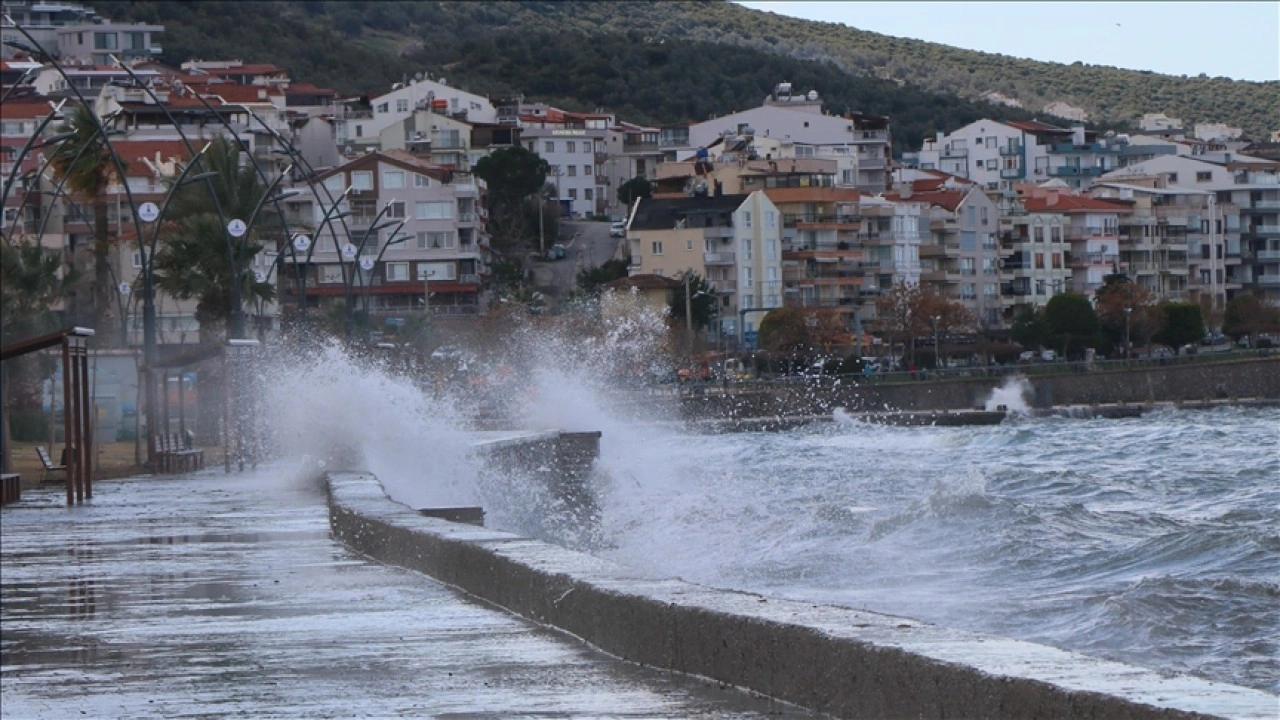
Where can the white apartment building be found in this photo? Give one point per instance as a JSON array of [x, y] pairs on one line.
[[439, 266], [574, 145], [77, 34], [363, 128]]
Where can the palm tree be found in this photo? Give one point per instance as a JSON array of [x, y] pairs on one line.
[[197, 259], [85, 161]]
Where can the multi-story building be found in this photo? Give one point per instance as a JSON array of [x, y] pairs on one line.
[[1211, 229], [631, 151], [77, 34], [734, 241], [822, 260], [999, 155], [859, 143], [362, 127], [960, 256], [1092, 235], [574, 145], [1034, 264], [438, 269], [87, 80], [1253, 188]]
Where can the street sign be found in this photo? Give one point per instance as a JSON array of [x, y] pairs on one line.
[[366, 264], [237, 228], [301, 243], [148, 212]]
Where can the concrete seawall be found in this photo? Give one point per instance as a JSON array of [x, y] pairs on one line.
[[844, 662]]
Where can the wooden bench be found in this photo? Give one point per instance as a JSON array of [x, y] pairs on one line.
[[10, 488], [47, 463]]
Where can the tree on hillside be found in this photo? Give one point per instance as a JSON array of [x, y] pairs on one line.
[[1072, 321], [512, 175], [86, 162], [1181, 324], [636, 187]]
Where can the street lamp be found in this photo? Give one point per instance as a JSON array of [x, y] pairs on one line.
[[1128, 350], [937, 348], [396, 239], [355, 259]]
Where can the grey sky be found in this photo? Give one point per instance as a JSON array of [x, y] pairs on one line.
[[1240, 40]]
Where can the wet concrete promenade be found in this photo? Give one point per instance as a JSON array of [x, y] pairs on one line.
[[211, 595]]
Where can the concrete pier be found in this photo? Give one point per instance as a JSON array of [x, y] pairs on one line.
[[834, 660], [213, 595]]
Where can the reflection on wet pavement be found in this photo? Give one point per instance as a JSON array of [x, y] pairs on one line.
[[214, 595]]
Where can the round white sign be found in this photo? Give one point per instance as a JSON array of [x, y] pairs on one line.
[[348, 251], [301, 243], [237, 228], [123, 288], [366, 263], [148, 212], [259, 276]]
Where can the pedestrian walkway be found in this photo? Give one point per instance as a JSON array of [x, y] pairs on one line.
[[213, 595]]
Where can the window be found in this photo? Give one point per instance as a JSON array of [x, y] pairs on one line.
[[421, 181], [656, 247], [1204, 176], [137, 41], [570, 146], [330, 273], [984, 215], [980, 165], [1057, 261], [433, 210], [395, 210], [1039, 261], [972, 213], [105, 41], [771, 250], [573, 193], [1040, 287], [688, 244], [549, 146], [1173, 177], [397, 272], [989, 290], [402, 105], [384, 108], [436, 240], [586, 147], [588, 194], [362, 180], [1055, 234], [770, 219], [746, 218], [968, 291], [586, 169], [359, 131], [572, 170], [991, 141], [393, 179]]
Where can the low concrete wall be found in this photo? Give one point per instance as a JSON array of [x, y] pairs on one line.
[[834, 660], [1246, 378]]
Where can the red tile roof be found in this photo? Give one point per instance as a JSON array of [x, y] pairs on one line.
[[947, 199], [133, 152], [1063, 203], [308, 89], [1035, 126]]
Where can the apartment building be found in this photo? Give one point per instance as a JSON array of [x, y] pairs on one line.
[[574, 145], [1253, 188], [87, 80], [1035, 262], [361, 127], [1211, 229], [631, 151], [77, 34], [734, 241], [960, 256], [437, 268], [1092, 235], [859, 143], [822, 260], [999, 155]]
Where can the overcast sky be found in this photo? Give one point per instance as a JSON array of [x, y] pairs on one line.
[[1240, 40]]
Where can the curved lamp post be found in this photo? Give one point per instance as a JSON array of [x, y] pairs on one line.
[[395, 239]]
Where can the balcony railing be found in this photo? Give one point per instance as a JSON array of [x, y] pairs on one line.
[[1268, 280], [1266, 230], [1075, 172], [1266, 255], [466, 217], [1009, 150], [794, 219], [719, 258], [721, 231]]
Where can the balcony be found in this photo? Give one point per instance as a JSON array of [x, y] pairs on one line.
[[1268, 280], [1011, 150], [1273, 205], [817, 222], [721, 231], [1075, 172], [938, 249], [719, 258], [1268, 255], [1267, 230], [1012, 173], [466, 217]]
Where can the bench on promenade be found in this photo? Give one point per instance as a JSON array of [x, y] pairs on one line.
[[47, 463], [10, 487], [176, 453]]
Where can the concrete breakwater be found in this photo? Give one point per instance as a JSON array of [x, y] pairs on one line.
[[1246, 378], [835, 660]]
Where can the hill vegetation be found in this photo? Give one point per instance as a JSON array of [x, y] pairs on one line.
[[364, 46]]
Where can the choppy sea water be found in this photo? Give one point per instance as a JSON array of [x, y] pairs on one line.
[[1153, 541]]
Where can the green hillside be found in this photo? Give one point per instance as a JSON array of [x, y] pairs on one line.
[[610, 47]]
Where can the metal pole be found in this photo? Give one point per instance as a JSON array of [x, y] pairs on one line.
[[68, 411], [688, 314], [86, 420], [1127, 346]]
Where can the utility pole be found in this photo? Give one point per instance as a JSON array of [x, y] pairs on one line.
[[688, 313]]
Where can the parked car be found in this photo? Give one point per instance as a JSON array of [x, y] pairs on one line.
[[617, 229], [1049, 355]]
